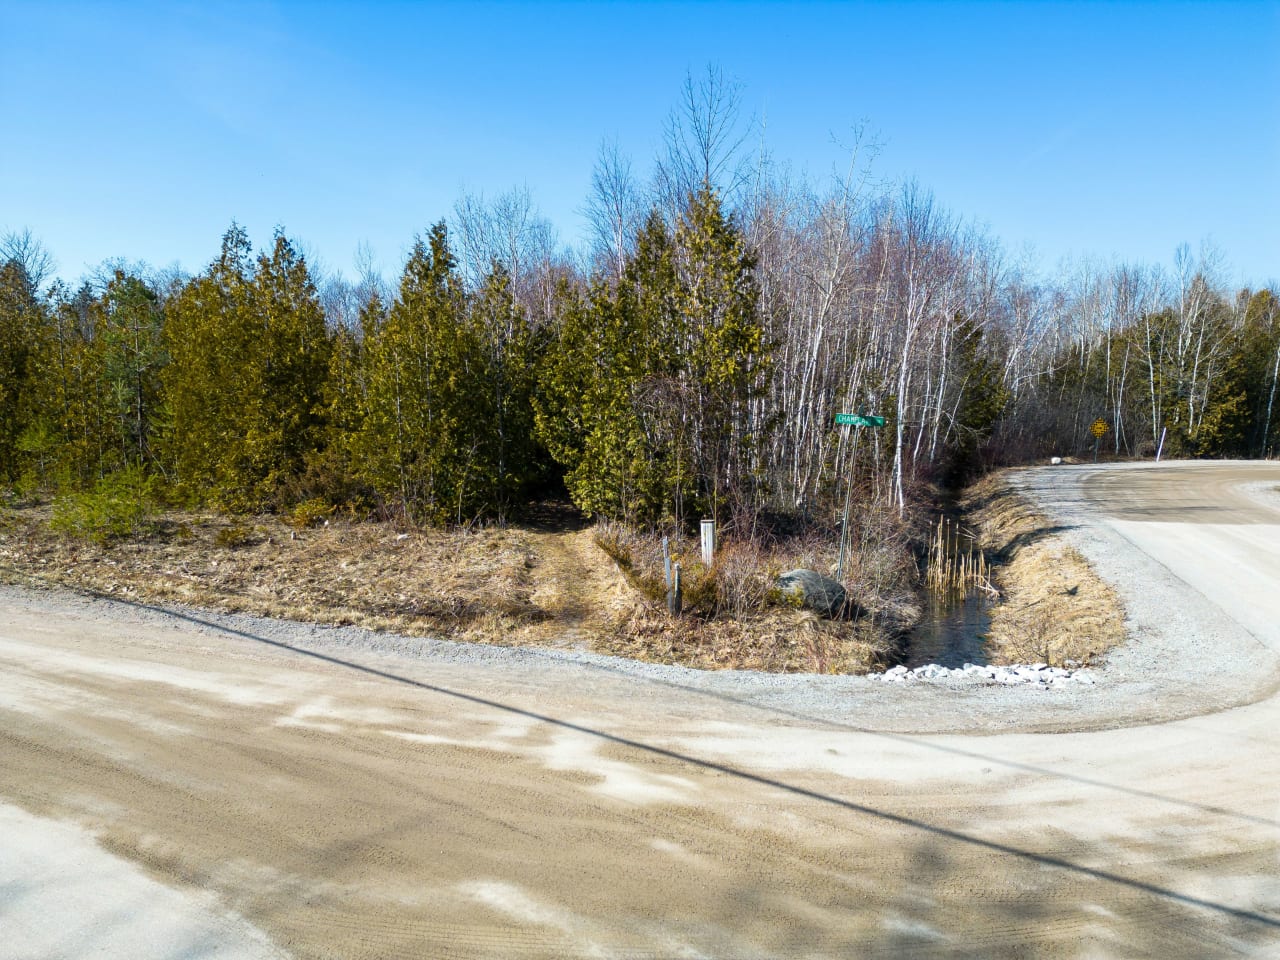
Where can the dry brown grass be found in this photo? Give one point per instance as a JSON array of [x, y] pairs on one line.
[[513, 586], [777, 640], [1053, 608], [468, 585], [735, 616], [557, 587]]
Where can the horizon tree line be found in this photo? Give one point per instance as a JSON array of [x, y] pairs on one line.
[[690, 362]]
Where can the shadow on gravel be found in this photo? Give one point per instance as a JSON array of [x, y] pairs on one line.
[[1251, 920], [941, 748], [1016, 543]]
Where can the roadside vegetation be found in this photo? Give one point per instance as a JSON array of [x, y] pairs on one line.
[[1052, 608], [687, 363]]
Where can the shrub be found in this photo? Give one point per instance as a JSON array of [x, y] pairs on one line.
[[745, 578], [236, 535], [740, 585], [310, 513], [121, 504]]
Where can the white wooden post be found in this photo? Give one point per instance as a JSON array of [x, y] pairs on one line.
[[708, 542]]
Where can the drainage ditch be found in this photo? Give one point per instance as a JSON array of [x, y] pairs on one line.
[[958, 596]]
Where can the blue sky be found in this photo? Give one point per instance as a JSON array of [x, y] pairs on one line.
[[1108, 130]]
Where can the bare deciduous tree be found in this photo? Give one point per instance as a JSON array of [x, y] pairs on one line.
[[704, 139], [22, 247], [614, 211]]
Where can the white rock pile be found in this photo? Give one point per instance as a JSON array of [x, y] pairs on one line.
[[1036, 673]]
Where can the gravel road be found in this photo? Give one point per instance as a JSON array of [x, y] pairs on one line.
[[1204, 629], [347, 794]]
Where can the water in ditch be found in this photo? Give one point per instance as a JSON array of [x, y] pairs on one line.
[[952, 632]]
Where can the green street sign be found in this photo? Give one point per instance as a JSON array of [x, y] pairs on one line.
[[858, 420]]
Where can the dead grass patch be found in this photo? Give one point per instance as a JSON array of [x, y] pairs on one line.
[[513, 586], [474, 585], [1053, 608], [780, 640], [735, 616]]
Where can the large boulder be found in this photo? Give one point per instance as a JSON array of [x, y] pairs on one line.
[[813, 591]]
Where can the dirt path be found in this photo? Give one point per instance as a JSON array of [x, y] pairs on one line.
[[580, 588], [356, 804]]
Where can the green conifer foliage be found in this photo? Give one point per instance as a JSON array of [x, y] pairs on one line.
[[206, 336], [717, 298], [100, 384], [245, 387], [601, 408], [980, 398], [559, 402], [650, 395], [1260, 346], [284, 378], [1223, 431], [128, 337], [332, 473], [23, 323], [501, 407], [420, 445]]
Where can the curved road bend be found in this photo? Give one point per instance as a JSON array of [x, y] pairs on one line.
[[330, 802]]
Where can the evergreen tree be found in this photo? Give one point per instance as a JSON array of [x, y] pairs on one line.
[[650, 396], [1223, 430], [980, 398], [511, 456], [603, 406], [727, 362], [283, 380], [207, 337], [1260, 348], [420, 443], [333, 474], [128, 336], [23, 329], [245, 388]]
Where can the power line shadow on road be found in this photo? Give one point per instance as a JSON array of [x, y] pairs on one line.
[[1251, 918], [907, 739], [939, 747]]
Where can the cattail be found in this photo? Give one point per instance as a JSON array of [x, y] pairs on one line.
[[956, 564]]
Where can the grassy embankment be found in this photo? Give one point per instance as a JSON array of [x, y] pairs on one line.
[[565, 584], [1052, 607]]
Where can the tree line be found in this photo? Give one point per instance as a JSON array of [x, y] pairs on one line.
[[688, 363]]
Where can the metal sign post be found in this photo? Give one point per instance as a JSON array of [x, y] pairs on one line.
[[857, 421]]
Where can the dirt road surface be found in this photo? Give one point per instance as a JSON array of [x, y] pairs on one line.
[[313, 800]]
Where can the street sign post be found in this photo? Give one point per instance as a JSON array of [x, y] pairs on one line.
[[857, 421]]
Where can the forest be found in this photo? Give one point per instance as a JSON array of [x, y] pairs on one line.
[[687, 362]]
